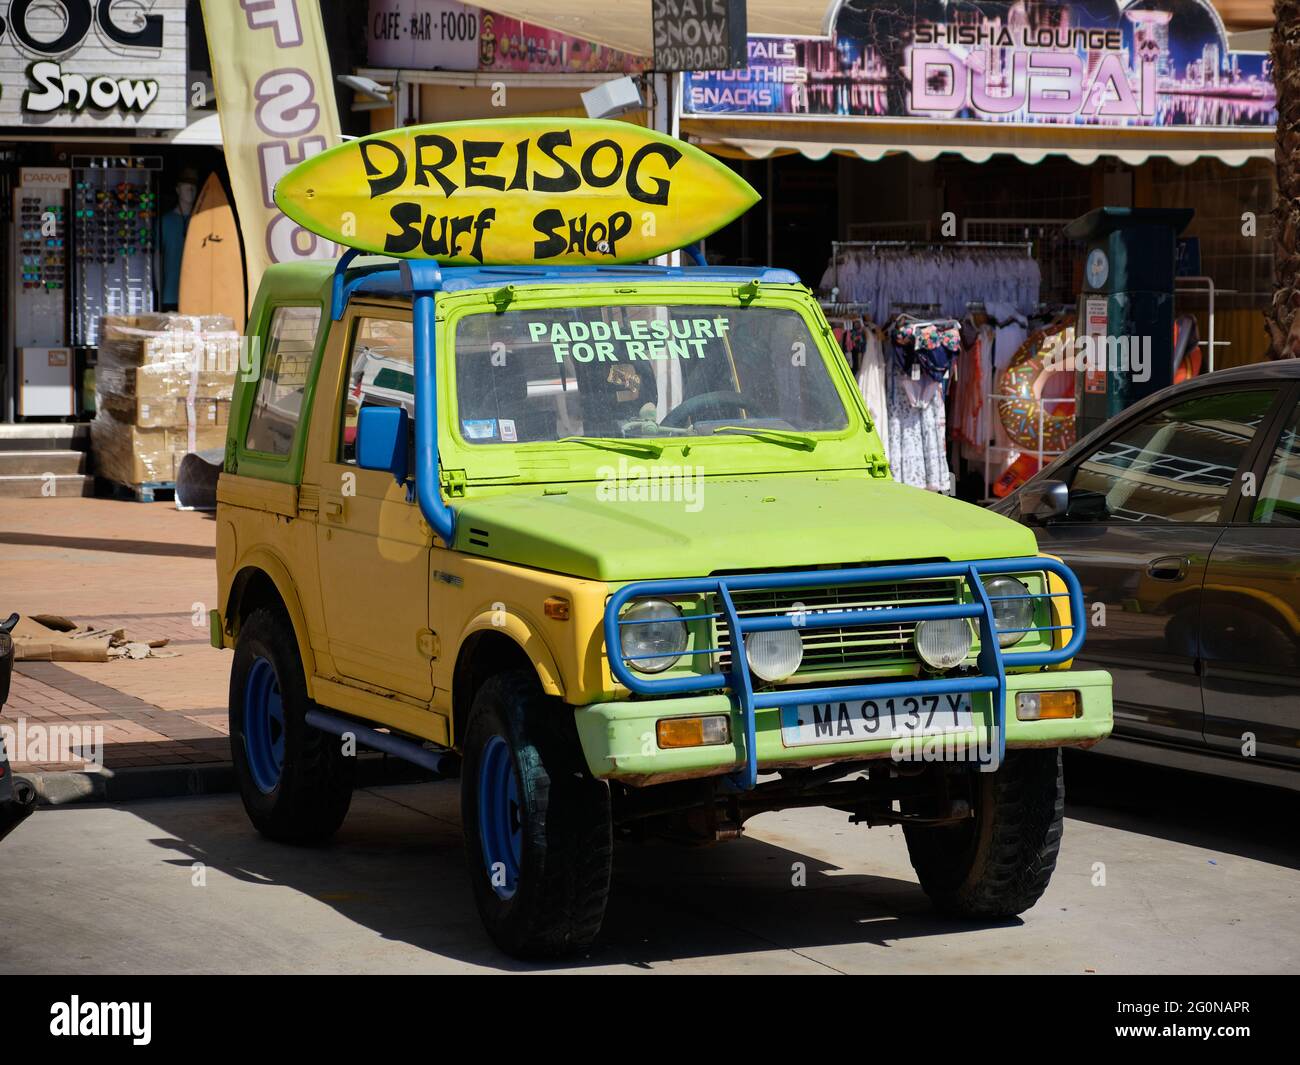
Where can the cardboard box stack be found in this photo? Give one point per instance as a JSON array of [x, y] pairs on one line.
[[163, 386]]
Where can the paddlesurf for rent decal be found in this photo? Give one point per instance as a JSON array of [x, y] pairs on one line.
[[515, 191]]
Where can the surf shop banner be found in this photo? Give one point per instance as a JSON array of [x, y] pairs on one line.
[[1153, 63], [275, 96], [515, 190]]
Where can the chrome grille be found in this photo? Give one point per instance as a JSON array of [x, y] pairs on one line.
[[848, 647]]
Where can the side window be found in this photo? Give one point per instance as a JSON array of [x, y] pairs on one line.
[[1279, 497], [290, 343], [1175, 466], [381, 372]]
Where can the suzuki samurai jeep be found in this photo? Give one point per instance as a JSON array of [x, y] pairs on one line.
[[624, 540]]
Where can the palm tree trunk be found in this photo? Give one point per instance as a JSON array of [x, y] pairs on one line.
[[1283, 318]]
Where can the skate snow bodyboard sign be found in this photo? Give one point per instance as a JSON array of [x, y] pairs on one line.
[[519, 191]]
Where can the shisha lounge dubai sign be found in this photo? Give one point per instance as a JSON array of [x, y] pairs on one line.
[[1105, 63], [106, 63]]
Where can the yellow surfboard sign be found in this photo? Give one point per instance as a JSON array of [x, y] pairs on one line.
[[515, 191]]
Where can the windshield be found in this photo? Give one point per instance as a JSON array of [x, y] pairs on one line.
[[641, 371]]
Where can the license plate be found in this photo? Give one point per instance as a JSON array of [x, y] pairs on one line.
[[874, 719]]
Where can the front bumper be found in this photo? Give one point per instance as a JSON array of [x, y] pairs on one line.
[[989, 686], [618, 738]]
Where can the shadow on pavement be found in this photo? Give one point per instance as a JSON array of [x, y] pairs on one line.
[[97, 543], [397, 867], [1217, 813]]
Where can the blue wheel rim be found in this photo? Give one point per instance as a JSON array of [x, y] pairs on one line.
[[263, 725], [499, 817]]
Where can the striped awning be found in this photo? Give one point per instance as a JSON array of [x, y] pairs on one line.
[[816, 138]]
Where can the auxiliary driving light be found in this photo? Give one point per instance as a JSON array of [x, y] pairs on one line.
[[1041, 706], [693, 731], [943, 642], [1017, 613], [656, 637], [774, 655]]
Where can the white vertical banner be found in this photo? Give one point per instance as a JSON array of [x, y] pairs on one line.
[[275, 96]]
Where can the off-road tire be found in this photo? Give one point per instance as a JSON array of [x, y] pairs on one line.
[[999, 864], [314, 791], [565, 817]]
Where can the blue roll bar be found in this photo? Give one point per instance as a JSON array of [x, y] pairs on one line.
[[424, 279]]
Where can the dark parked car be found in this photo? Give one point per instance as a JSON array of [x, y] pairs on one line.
[[1181, 517]]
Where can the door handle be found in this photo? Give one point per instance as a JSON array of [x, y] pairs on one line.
[[1168, 568], [333, 509]]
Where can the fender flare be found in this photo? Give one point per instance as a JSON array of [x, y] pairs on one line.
[[529, 639], [266, 561]]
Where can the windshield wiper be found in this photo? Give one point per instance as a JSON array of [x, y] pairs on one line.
[[617, 443], [784, 437]]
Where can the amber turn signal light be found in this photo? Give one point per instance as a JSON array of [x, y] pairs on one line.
[[556, 607], [693, 731], [1042, 706]]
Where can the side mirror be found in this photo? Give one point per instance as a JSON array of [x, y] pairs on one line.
[[381, 440], [1044, 501]]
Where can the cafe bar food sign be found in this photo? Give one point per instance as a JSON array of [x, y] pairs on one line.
[[1155, 63], [93, 63], [446, 35], [515, 191]]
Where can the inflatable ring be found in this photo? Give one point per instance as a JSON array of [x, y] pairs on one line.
[[1023, 381]]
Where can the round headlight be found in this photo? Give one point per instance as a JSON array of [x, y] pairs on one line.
[[658, 638], [943, 642], [774, 655], [1010, 613]]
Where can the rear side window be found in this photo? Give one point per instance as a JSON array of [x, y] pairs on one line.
[[287, 355], [1279, 500], [1175, 466]]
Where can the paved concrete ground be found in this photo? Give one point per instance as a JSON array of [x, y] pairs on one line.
[[144, 567], [1200, 877]]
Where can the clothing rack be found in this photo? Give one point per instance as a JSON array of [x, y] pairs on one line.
[[914, 309], [836, 309], [1020, 249], [939, 296], [1025, 247]]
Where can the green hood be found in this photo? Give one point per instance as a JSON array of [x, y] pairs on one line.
[[726, 524]]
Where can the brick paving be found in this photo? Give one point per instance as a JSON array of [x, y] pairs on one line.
[[145, 568]]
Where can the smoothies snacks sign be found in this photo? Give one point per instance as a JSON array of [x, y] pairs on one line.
[[1154, 63], [515, 191]]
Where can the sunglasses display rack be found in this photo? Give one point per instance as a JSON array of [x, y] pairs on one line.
[[39, 265], [115, 226]]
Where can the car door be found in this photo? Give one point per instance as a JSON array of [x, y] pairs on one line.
[[1146, 507], [372, 543], [1250, 616]]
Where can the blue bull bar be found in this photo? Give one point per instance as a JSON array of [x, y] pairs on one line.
[[991, 661]]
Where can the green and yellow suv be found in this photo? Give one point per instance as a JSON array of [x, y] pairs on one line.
[[621, 545]]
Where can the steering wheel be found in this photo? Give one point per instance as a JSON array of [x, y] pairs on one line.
[[688, 408]]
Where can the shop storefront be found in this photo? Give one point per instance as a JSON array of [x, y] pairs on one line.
[[109, 143], [448, 61], [919, 165]]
